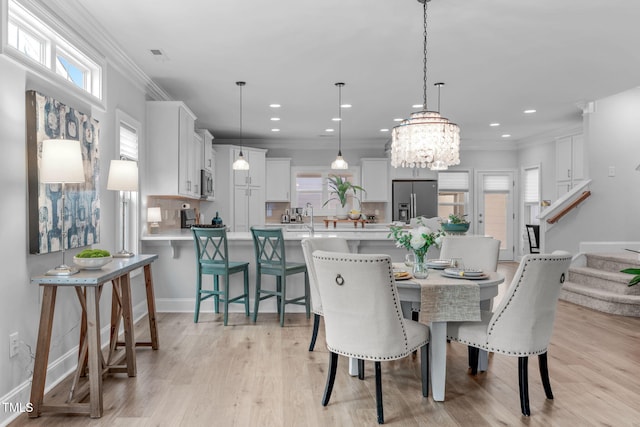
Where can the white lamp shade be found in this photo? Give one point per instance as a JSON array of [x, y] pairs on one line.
[[61, 162], [240, 164], [154, 215], [123, 175]]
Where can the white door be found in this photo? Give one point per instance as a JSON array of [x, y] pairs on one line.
[[495, 209]]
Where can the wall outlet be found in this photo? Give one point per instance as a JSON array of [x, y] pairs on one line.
[[13, 344]]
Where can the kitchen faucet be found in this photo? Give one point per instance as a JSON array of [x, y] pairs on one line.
[[309, 207]]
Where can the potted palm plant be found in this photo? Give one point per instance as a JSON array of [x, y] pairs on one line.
[[340, 189]]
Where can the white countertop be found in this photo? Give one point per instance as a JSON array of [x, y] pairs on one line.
[[296, 234]]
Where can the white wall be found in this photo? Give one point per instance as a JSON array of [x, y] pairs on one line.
[[612, 213], [20, 301]]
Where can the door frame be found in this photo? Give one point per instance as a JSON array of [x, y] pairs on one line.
[[509, 253]]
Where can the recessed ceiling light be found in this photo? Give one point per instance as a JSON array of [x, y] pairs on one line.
[[275, 130], [530, 111], [494, 124], [275, 119], [506, 135], [274, 105], [346, 106], [417, 106], [398, 120], [384, 130], [329, 130], [336, 119]]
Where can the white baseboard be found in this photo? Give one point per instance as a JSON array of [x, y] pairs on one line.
[[57, 371], [187, 305]]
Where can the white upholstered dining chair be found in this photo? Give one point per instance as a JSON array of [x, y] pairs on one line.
[[522, 323], [362, 316], [309, 245], [476, 251]]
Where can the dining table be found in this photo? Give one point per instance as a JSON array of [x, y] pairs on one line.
[[443, 299]]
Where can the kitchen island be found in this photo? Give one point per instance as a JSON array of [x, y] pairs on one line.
[[175, 270]]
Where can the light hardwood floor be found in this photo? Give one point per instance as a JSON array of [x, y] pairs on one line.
[[260, 374]]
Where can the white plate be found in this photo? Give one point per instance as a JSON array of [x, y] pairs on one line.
[[438, 264], [404, 277], [458, 276], [467, 272]]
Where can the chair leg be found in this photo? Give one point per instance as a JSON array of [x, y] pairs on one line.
[[246, 291], [524, 385], [544, 375], [360, 369], [216, 297], [279, 293], [331, 377], [198, 288], [283, 299], [314, 334], [307, 302], [424, 368], [473, 359], [257, 302], [379, 393], [226, 299]]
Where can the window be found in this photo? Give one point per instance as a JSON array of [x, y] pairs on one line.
[[453, 193], [531, 195], [311, 187], [128, 148], [32, 40]]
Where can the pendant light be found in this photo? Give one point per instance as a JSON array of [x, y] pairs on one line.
[[240, 164], [339, 162], [426, 139]]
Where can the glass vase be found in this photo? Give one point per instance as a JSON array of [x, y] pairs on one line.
[[420, 270]]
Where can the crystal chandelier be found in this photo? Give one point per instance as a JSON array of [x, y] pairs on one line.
[[426, 139], [339, 162], [241, 163]]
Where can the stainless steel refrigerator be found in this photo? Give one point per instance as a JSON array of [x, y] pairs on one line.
[[414, 198]]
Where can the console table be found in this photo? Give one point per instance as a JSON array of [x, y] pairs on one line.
[[355, 222], [88, 287]]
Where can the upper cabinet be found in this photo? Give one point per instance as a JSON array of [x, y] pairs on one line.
[[207, 150], [278, 178], [412, 173], [569, 162], [375, 180], [171, 150]]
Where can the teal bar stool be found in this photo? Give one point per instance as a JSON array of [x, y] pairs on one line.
[[211, 258], [270, 259]]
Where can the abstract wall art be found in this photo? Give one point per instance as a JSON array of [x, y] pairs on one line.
[[48, 118]]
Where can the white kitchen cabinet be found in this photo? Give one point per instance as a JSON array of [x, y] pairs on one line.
[[278, 179], [412, 173], [207, 150], [249, 208], [569, 163], [375, 180], [240, 195], [255, 176], [170, 164], [196, 163]]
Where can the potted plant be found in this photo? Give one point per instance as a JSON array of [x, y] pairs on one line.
[[339, 189], [457, 224]]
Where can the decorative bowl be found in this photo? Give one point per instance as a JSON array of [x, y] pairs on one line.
[[354, 216], [455, 228], [92, 263]]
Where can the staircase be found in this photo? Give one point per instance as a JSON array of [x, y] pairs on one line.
[[595, 281]]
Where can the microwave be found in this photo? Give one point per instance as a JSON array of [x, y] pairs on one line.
[[206, 184]]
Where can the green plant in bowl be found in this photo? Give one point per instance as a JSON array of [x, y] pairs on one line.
[[93, 253], [340, 188]]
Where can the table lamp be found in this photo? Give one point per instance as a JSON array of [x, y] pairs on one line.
[[123, 176], [61, 163], [154, 216]]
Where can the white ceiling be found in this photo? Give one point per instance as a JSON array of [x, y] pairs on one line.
[[497, 58]]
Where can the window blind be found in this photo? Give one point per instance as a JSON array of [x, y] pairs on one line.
[[128, 142], [531, 185], [453, 181], [496, 183]]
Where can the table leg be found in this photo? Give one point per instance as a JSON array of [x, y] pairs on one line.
[[42, 349], [151, 306], [95, 365], [438, 359], [127, 316]]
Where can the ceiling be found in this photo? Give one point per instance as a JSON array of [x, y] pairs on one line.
[[496, 57]]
